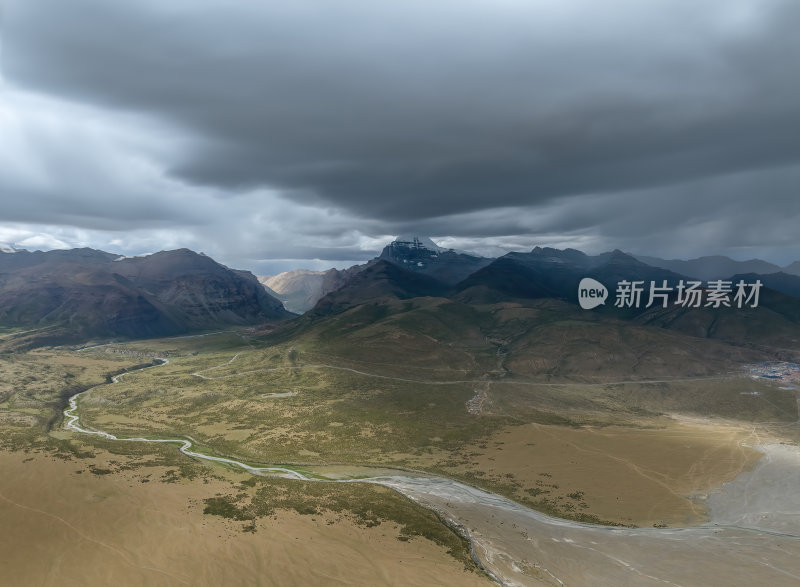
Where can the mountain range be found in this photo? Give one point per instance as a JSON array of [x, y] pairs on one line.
[[85, 293], [713, 267], [523, 307], [546, 273], [534, 274], [300, 290], [411, 290]]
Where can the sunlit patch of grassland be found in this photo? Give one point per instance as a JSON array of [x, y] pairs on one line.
[[336, 415], [366, 505], [33, 386]]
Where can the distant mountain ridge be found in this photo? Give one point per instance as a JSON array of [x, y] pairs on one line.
[[713, 267], [300, 290], [546, 276], [553, 273], [785, 280], [793, 268], [543, 272], [84, 293]]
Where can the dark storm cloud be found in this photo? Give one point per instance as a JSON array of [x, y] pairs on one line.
[[410, 110], [622, 123]]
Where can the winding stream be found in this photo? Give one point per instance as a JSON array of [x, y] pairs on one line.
[[72, 420], [519, 546]]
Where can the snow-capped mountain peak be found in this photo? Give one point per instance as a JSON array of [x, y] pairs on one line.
[[424, 241]]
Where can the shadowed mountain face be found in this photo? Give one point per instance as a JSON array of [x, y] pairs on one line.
[[409, 267], [84, 293], [783, 282], [551, 273], [712, 267], [526, 304], [300, 290], [424, 257], [775, 323], [379, 281]]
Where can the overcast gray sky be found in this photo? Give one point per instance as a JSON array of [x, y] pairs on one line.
[[275, 135]]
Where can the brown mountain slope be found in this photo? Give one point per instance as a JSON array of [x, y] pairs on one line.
[[91, 294]]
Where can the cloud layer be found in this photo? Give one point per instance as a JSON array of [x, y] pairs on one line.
[[313, 130]]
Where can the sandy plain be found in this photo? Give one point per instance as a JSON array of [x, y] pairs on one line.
[[658, 474], [61, 527], [523, 547]]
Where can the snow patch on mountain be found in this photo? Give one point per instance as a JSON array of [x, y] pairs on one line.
[[123, 257], [423, 240]]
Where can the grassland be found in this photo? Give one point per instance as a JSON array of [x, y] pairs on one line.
[[628, 450], [299, 404], [33, 386], [362, 520]]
